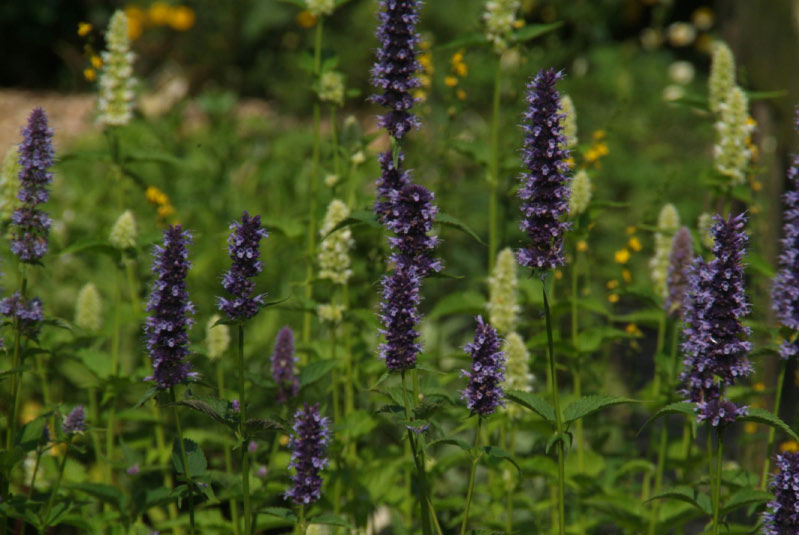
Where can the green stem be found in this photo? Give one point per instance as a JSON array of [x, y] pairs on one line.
[[35, 471], [184, 459], [334, 139], [132, 286], [510, 494], [46, 518], [424, 499], [493, 179], [717, 482], [658, 478], [770, 446], [658, 349], [16, 377], [234, 506], [163, 455], [245, 458], [475, 460], [301, 529], [558, 419]]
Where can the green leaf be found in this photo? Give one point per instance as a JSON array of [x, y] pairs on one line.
[[745, 497], [280, 512], [315, 371], [589, 340], [151, 156], [213, 408], [91, 246], [104, 493], [536, 404], [31, 434], [681, 407], [194, 457], [685, 494], [357, 423], [531, 31], [98, 362], [331, 520], [462, 444], [150, 394], [359, 217], [472, 39], [762, 416], [450, 221], [500, 454], [765, 95], [590, 404], [457, 303]]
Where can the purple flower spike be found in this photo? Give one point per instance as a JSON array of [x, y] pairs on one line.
[[30, 226], [392, 179], [244, 250], [715, 341], [682, 254], [75, 421], [785, 292], [283, 365], [413, 215], [170, 311], [29, 314], [782, 517], [484, 392], [395, 70], [308, 454], [545, 184]]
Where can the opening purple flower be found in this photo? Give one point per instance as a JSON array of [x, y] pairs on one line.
[[170, 311], [308, 445], [75, 421], [244, 250], [283, 365], [682, 254], [782, 517], [484, 392], [29, 314], [392, 179]]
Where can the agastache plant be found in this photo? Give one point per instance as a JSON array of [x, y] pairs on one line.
[[782, 517], [392, 178], [308, 445], [283, 365], [682, 254], [244, 250]]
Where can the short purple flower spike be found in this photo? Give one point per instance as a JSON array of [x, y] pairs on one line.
[[715, 341], [30, 226], [682, 254], [308, 454], [545, 183], [170, 311], [394, 71], [392, 179], [244, 250], [484, 392], [75, 421], [283, 364], [28, 313], [782, 517], [785, 292]]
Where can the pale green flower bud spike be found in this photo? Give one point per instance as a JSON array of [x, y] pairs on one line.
[[499, 17], [580, 195], [502, 307], [89, 308], [569, 121], [331, 88], [123, 234], [9, 184], [319, 8], [517, 369], [722, 76], [217, 338], [115, 102], [334, 249], [668, 223], [731, 155]]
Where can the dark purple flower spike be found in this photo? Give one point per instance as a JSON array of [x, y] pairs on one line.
[[308, 445], [244, 250], [484, 392]]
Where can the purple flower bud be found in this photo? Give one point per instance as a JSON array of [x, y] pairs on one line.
[[391, 179], [170, 311], [484, 392], [244, 249], [29, 314], [283, 365], [714, 339], [682, 254], [235, 405], [394, 71], [545, 184], [782, 517], [262, 471], [75, 421], [30, 226], [133, 470], [252, 447], [308, 454]]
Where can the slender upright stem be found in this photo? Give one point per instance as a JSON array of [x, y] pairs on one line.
[[163, 455], [306, 326], [424, 501], [475, 460], [46, 518], [234, 506], [658, 350], [184, 459], [132, 286], [245, 458], [301, 529], [558, 419], [94, 414], [493, 178], [717, 481], [770, 446], [509, 501], [334, 139], [16, 377]]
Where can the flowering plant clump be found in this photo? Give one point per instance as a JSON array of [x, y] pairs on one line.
[[545, 183], [484, 392], [308, 445], [244, 250], [668, 223], [334, 251], [502, 306], [782, 517], [170, 311], [115, 102], [500, 17], [283, 365]]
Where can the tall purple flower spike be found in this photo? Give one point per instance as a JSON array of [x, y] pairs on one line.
[[244, 250], [484, 392], [785, 291], [682, 254], [545, 183], [392, 179], [395, 68], [308, 454], [30, 226], [283, 364], [782, 517], [170, 311], [715, 341]]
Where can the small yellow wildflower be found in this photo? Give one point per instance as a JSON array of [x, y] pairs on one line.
[[181, 18], [518, 23], [789, 446], [598, 135], [613, 298], [635, 244], [759, 386], [703, 18], [757, 185], [750, 428], [582, 246], [90, 74], [621, 256], [558, 274], [612, 285], [284, 440], [165, 211], [159, 13], [426, 61], [84, 28], [30, 411], [451, 81], [627, 275], [631, 230], [96, 61], [461, 94], [136, 20], [306, 19], [602, 149], [633, 330]]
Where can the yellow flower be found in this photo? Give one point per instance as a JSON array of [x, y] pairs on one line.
[[558, 274], [627, 275], [306, 19], [518, 23], [598, 134], [461, 94], [789, 446], [582, 246], [461, 69], [30, 410], [634, 244], [90, 74], [451, 81], [757, 185], [750, 428], [613, 298], [759, 386], [96, 61], [426, 61], [631, 230], [602, 149], [457, 57], [136, 20], [284, 440], [159, 13], [84, 28], [633, 329], [165, 211], [611, 285], [181, 18], [621, 256]]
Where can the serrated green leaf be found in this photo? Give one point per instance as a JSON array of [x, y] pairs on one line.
[[472, 39], [331, 520], [280, 512], [98, 362], [531, 31], [762, 416], [687, 495], [195, 458], [745, 497], [316, 371], [590, 404], [148, 395], [31, 434], [535, 403], [458, 303], [462, 444], [359, 217], [104, 493], [498, 453], [450, 221], [681, 407]]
